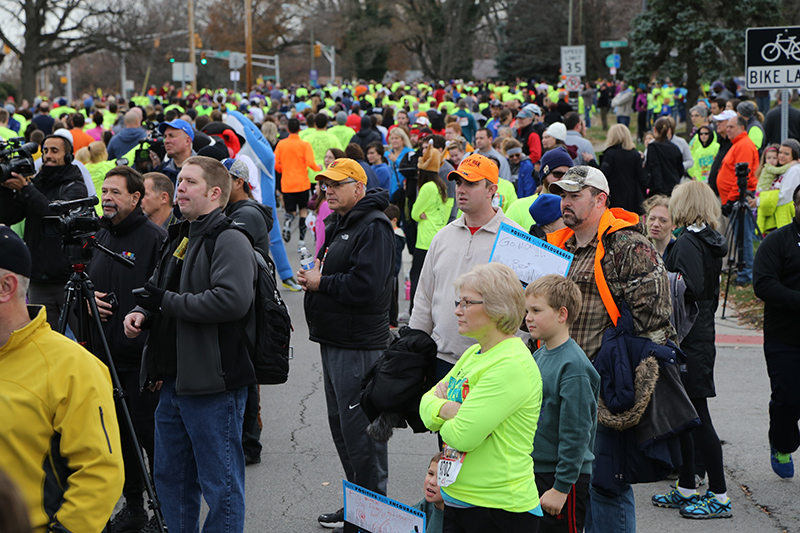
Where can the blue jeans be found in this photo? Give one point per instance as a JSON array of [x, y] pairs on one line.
[[587, 116], [609, 513], [746, 274], [198, 450], [624, 119]]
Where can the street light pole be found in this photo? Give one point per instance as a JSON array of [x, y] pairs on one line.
[[248, 44], [191, 45]]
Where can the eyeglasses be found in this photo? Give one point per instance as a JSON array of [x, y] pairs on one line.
[[515, 155], [335, 184], [463, 304], [558, 174]]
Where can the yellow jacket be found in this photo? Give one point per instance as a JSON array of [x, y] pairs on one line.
[[60, 440]]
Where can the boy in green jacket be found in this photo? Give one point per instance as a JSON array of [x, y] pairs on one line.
[[562, 447]]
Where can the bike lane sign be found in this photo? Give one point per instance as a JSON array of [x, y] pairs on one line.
[[772, 58]]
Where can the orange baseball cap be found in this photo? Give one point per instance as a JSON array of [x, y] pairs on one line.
[[476, 168], [342, 169]]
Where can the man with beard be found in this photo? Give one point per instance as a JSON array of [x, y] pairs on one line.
[[125, 229], [23, 198]]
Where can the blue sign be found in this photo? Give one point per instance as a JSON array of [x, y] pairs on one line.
[[612, 60]]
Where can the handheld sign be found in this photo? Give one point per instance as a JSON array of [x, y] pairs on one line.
[[529, 257], [368, 512]]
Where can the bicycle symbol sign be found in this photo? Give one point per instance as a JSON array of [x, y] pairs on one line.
[[772, 58]]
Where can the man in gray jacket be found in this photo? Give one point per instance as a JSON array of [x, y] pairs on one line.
[[201, 360]]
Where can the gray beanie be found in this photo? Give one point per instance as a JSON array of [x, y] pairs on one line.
[[341, 118], [747, 109]]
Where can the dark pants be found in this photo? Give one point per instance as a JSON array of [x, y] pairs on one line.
[[251, 431], [707, 442], [783, 368], [365, 461], [417, 261], [142, 408], [394, 307], [604, 117], [573, 515], [51, 296], [484, 519], [624, 119]]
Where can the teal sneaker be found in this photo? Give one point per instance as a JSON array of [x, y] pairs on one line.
[[708, 507], [674, 499], [782, 463]]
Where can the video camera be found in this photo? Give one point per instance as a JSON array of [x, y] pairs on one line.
[[742, 172], [141, 155], [17, 157], [76, 224]]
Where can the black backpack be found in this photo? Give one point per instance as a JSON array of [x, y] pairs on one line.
[[270, 355]]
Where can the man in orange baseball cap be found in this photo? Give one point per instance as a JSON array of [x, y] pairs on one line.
[[456, 249], [347, 310]]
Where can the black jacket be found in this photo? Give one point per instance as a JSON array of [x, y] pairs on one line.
[[664, 167], [698, 257], [776, 280], [50, 264], [255, 218], [397, 381], [724, 145], [351, 308], [366, 134], [772, 125], [139, 240], [626, 178]]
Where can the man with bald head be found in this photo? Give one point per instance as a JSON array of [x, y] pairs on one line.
[[129, 136]]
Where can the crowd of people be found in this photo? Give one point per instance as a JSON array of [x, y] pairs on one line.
[[532, 397]]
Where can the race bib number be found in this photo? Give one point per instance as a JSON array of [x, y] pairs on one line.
[[449, 465], [463, 122]]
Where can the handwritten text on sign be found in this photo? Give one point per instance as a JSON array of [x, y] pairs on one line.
[[529, 257]]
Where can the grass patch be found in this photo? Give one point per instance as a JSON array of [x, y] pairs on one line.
[[742, 300]]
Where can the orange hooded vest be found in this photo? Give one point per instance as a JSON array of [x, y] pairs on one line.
[[611, 220]]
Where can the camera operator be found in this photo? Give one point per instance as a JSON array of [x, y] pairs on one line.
[[24, 198], [126, 230], [742, 150]]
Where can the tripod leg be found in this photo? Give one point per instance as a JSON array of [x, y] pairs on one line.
[[87, 292]]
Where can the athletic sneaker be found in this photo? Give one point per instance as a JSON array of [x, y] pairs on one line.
[[674, 499], [287, 229], [332, 520], [782, 463], [292, 285], [708, 507]]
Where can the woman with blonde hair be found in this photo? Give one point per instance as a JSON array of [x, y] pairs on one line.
[[486, 410], [399, 146], [270, 131], [622, 165], [697, 256], [658, 223]]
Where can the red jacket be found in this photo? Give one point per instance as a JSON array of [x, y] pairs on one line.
[[743, 150]]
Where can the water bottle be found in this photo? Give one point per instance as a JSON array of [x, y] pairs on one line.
[[306, 259]]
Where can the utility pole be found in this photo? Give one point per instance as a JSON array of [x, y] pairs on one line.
[[569, 28], [311, 26], [191, 45], [248, 44]]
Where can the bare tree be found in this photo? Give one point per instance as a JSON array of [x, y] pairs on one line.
[[55, 32]]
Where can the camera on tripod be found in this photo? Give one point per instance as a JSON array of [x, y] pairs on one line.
[[75, 219], [742, 172], [142, 162], [17, 157], [76, 224]]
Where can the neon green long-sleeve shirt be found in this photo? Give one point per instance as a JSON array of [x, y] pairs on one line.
[[500, 392]]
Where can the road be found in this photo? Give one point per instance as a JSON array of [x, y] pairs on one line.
[[300, 477]]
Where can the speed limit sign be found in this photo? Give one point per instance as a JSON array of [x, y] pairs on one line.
[[573, 60], [573, 83]]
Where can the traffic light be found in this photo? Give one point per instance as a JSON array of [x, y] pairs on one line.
[[171, 58], [198, 42], [203, 59], [317, 50]]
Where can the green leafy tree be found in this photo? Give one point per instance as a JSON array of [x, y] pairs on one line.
[[368, 38], [695, 40]]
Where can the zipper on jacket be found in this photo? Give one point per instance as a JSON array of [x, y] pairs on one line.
[[103, 423]]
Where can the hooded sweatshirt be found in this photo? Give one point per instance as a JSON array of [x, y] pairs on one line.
[[366, 134], [124, 141]]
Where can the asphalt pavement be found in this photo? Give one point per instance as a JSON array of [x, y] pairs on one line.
[[300, 477]]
